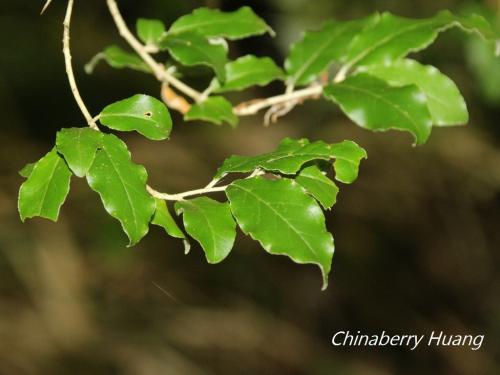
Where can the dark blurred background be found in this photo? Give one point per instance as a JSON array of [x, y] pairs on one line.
[[417, 236]]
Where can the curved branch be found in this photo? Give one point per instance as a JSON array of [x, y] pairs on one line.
[[69, 67], [158, 70]]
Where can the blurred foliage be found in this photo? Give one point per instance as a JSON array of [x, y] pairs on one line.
[[417, 236]]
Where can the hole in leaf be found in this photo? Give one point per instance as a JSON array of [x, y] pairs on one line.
[[148, 114]]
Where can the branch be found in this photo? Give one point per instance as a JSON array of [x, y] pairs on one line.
[[158, 70], [181, 196], [69, 67], [253, 106]]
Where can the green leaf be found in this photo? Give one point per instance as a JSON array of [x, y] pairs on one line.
[[347, 156], [142, 113], [215, 109], [46, 188], [446, 104], [373, 104], [284, 219], [119, 59], [164, 219], [314, 53], [288, 158], [78, 146], [150, 31], [214, 23], [26, 170], [211, 224], [318, 185], [122, 187], [485, 66], [394, 37], [194, 49], [249, 71]]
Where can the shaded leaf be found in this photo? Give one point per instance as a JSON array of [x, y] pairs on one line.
[[150, 31], [347, 156], [249, 71], [122, 187], [142, 113], [314, 53], [164, 219], [26, 170], [214, 23], [194, 49], [211, 224], [215, 109], [78, 146], [318, 185], [284, 219], [485, 66], [46, 188], [117, 58], [373, 104], [446, 104]]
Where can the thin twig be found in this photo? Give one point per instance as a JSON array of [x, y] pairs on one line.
[[252, 107], [69, 67], [46, 5], [181, 196], [158, 69]]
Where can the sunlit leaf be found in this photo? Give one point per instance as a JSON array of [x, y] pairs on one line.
[[318, 185], [249, 71], [446, 104], [314, 53], [150, 31], [211, 224], [194, 49], [373, 104], [142, 113], [347, 156], [284, 219], [214, 23], [46, 188], [122, 187], [394, 37], [288, 158], [78, 146], [117, 58], [214, 109]]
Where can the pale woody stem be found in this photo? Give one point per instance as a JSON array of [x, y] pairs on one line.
[[69, 67], [158, 70]]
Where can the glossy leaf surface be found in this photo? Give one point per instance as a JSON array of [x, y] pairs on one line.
[[164, 219], [150, 31], [122, 187], [142, 113], [118, 58], [314, 53], [215, 109], [348, 156], [214, 23], [394, 37], [288, 158], [373, 104], [194, 49], [318, 185], [78, 146], [249, 71], [446, 104], [46, 188], [284, 219], [211, 224]]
